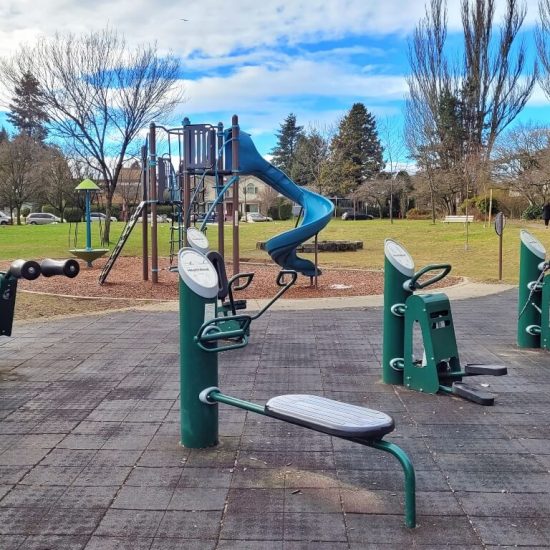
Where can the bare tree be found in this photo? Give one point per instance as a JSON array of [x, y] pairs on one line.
[[522, 162], [542, 39], [98, 94], [57, 184], [464, 104], [394, 154], [311, 161], [268, 197], [20, 161]]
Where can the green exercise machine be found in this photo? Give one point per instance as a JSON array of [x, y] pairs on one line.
[[439, 369], [204, 333], [534, 294], [30, 270]]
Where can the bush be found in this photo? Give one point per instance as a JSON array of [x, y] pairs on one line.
[[482, 205], [281, 211], [25, 211], [532, 212], [164, 210], [419, 214], [468, 205], [73, 214]]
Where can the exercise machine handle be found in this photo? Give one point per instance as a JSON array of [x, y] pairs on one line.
[[24, 269], [69, 268], [210, 334], [285, 287], [236, 278], [248, 279], [414, 284], [281, 278]]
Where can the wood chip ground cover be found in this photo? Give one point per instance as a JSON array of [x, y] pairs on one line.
[[125, 281]]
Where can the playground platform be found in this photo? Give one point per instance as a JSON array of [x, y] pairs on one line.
[[89, 453]]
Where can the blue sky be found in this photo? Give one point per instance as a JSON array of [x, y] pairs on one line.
[[314, 58]]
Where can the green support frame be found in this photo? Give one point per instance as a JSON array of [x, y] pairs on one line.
[[385, 446]]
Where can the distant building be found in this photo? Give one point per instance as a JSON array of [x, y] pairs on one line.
[[254, 194]]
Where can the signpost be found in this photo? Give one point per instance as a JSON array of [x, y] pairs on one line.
[[500, 222]]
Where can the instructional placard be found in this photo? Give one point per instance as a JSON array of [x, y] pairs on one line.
[[198, 273]]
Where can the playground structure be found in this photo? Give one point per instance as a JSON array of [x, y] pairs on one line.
[[439, 370], [177, 177], [204, 333], [30, 270], [88, 254], [534, 294]]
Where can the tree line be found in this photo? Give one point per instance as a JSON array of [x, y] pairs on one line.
[[458, 116]]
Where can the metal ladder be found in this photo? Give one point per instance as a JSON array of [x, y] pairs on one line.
[[121, 242]]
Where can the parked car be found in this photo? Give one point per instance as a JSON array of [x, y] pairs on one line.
[[100, 216], [41, 218], [211, 219], [252, 217], [4, 219], [356, 216], [160, 218]]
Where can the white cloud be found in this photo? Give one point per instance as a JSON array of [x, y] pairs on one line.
[[299, 78], [215, 27]]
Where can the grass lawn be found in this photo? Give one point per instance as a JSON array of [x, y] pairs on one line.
[[426, 243]]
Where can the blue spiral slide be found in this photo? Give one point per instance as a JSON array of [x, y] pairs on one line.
[[317, 210]]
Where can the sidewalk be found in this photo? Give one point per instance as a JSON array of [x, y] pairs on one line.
[[461, 291]]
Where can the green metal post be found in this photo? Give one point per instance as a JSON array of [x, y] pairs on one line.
[[398, 268], [410, 478], [545, 315], [532, 253], [198, 370], [8, 292], [88, 222]]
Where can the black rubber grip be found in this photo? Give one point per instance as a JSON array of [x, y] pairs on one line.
[[69, 268], [25, 269]]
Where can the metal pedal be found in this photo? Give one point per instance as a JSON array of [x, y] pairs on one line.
[[473, 393], [489, 370]]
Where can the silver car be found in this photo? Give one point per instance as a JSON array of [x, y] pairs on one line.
[[41, 218], [99, 217], [4, 219]]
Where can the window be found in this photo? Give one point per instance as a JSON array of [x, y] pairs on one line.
[[251, 189]]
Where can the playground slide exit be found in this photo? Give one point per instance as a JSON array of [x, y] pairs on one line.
[[317, 210]]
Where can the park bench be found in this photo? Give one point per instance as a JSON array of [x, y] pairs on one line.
[[458, 219]]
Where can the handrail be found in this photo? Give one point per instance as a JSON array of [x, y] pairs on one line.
[[414, 284]]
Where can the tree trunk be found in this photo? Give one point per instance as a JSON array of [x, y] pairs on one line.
[[108, 207], [432, 198]]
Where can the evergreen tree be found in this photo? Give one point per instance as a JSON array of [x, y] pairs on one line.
[[4, 136], [284, 153], [27, 109], [356, 149]]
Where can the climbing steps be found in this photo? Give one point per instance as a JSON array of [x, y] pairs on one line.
[[121, 242]]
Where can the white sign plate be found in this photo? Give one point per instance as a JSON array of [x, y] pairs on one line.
[[399, 257], [198, 273], [197, 240]]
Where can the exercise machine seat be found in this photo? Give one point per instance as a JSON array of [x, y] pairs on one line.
[[330, 417]]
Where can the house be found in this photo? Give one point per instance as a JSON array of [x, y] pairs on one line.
[[254, 196]]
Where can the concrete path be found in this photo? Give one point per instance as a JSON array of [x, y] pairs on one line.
[[461, 291], [89, 431]]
